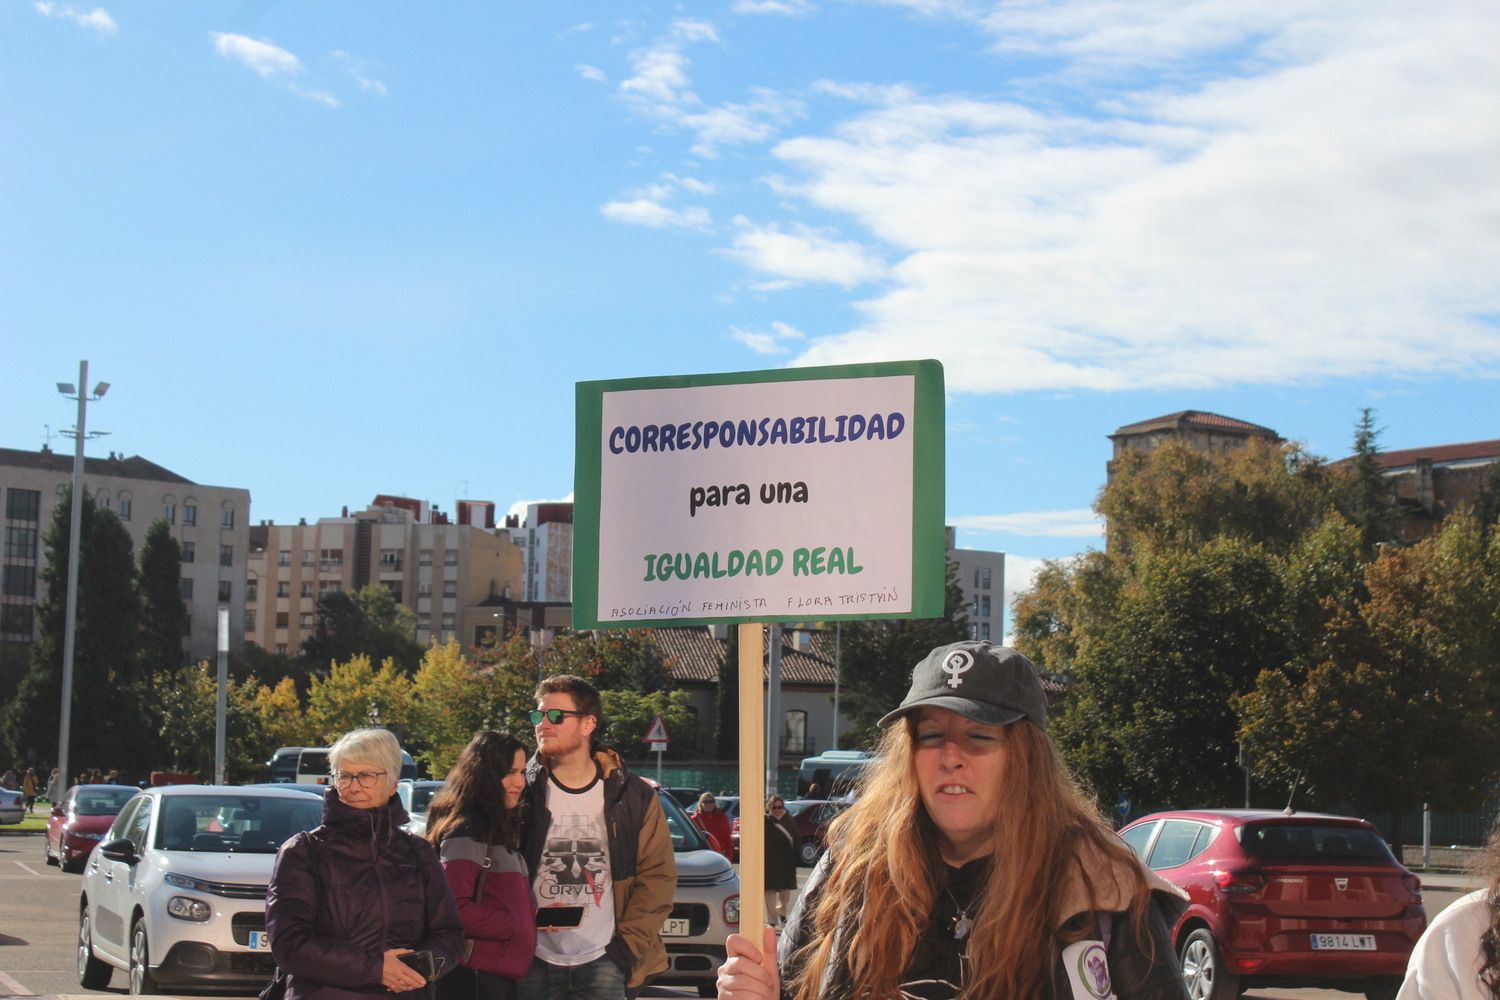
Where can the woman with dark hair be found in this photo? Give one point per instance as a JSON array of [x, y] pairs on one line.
[[970, 865], [1458, 956], [474, 824]]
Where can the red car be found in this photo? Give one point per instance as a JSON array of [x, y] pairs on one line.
[[1283, 900], [80, 821], [812, 817]]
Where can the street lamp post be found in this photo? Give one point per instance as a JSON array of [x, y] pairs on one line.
[[75, 528]]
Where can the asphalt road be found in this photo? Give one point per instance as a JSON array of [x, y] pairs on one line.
[[39, 921]]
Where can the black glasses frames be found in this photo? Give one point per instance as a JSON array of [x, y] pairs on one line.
[[552, 715]]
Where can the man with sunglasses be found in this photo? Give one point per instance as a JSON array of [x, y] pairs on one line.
[[597, 844]]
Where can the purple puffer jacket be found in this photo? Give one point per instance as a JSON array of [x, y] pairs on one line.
[[342, 894]]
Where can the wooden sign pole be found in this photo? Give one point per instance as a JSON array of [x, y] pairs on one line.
[[752, 780]]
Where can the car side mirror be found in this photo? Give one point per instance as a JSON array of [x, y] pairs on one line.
[[119, 850]]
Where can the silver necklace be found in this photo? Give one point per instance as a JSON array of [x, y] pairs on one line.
[[961, 922]]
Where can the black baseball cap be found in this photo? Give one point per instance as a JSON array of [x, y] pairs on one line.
[[991, 684]]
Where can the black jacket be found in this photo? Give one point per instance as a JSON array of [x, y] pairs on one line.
[[342, 894]]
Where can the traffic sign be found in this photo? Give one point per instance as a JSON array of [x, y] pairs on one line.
[[658, 733]]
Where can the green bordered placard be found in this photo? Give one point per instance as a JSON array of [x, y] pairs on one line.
[[804, 494]]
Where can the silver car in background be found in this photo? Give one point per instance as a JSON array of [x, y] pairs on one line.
[[175, 894], [705, 908], [415, 797]]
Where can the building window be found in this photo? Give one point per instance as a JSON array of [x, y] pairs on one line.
[[332, 560], [187, 624], [282, 618], [23, 505], [450, 557], [332, 586], [226, 555], [226, 517], [795, 742], [250, 620], [124, 508], [252, 591], [20, 543], [307, 588], [225, 588], [305, 620], [390, 559], [424, 589], [424, 558], [984, 608], [307, 557], [982, 578], [20, 581], [189, 515], [189, 551], [283, 588], [169, 512], [450, 588], [984, 631], [281, 649], [186, 584], [284, 558], [449, 621], [15, 619]]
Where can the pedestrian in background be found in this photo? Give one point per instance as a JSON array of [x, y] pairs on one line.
[[782, 838], [709, 818], [970, 864], [54, 787], [8, 780], [28, 789], [348, 899], [1458, 955], [474, 823]]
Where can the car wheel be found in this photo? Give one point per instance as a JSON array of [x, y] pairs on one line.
[[142, 982], [807, 854], [1383, 989], [1203, 971], [92, 973]]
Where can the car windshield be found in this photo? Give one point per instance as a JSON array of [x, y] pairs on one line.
[[421, 798], [685, 835], [1311, 844], [242, 824], [102, 801]]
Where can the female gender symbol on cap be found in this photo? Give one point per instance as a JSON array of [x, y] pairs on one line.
[[955, 663]]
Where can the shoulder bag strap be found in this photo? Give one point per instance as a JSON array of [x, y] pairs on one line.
[[484, 871]]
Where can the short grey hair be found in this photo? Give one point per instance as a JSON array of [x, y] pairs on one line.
[[377, 746]]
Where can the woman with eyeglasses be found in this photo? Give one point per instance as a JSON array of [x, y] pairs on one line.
[[347, 900], [709, 818], [474, 823], [782, 839], [970, 865]]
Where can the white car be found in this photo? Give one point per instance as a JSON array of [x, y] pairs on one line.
[[705, 906], [175, 894], [12, 806], [415, 797]]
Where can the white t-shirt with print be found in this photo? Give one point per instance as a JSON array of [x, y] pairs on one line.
[[573, 879]]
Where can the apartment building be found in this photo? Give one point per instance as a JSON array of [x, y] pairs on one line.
[[448, 574], [210, 523], [546, 542], [981, 576]]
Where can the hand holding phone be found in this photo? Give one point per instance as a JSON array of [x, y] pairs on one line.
[[397, 975], [421, 962]]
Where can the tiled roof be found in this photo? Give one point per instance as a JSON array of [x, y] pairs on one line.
[[1472, 451], [1183, 419], [694, 654], [134, 467]]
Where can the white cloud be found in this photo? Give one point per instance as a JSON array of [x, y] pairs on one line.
[[646, 212], [356, 70], [593, 73], [97, 19], [660, 88], [1256, 194], [264, 58], [773, 342], [783, 8], [1020, 575], [1081, 523], [800, 255]]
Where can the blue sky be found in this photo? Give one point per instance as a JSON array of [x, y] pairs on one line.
[[323, 251]]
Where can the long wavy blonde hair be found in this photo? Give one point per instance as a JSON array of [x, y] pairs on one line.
[[886, 862]]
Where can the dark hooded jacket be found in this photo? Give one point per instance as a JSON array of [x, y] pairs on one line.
[[341, 895]]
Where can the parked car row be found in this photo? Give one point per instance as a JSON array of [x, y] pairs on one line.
[[12, 806]]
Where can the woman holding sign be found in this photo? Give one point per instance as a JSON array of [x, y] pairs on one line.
[[970, 865]]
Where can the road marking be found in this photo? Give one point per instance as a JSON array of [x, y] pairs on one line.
[[12, 987], [30, 871]]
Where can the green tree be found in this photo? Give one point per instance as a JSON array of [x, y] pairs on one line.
[[879, 656], [1367, 498], [355, 694], [188, 707], [164, 616], [727, 699], [280, 716], [629, 715], [370, 622], [454, 697], [107, 728], [614, 659]]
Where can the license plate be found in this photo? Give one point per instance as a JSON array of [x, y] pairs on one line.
[[1343, 942], [677, 927], [260, 941]]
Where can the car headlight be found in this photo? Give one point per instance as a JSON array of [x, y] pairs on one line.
[[732, 910], [187, 908]]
